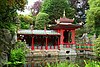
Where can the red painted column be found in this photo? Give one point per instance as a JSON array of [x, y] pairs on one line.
[[48, 42], [46, 47], [32, 47], [62, 37], [32, 64], [73, 36]]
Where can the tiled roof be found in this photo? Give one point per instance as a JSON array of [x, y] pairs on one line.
[[38, 32], [66, 26], [66, 20]]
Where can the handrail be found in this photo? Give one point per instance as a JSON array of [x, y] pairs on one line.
[[84, 46]]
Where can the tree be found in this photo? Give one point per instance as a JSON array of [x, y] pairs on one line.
[[36, 7], [25, 21], [80, 6], [8, 20], [55, 8], [42, 19], [93, 17], [8, 12]]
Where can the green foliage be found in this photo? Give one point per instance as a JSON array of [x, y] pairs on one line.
[[41, 20], [11, 26], [97, 46], [92, 64], [69, 10], [55, 8], [25, 21], [94, 3], [93, 16], [7, 42], [8, 10], [8, 20], [63, 64], [24, 25], [68, 64], [16, 4], [21, 45], [34, 19], [8, 13], [17, 55]]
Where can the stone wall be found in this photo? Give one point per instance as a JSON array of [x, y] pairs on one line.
[[7, 42]]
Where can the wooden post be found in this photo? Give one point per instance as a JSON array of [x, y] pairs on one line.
[[73, 36], [32, 64], [32, 47], [46, 47], [62, 37]]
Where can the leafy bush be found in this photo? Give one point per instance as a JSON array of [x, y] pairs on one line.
[[17, 55], [21, 45], [97, 46]]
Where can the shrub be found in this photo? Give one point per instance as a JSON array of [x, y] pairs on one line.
[[97, 46], [17, 55]]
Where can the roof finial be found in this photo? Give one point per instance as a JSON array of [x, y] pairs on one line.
[[64, 14]]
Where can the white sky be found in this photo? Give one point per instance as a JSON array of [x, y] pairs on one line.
[[26, 11]]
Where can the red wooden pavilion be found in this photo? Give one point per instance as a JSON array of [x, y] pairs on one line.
[[63, 33]]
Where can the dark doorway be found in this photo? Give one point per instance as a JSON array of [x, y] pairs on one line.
[[65, 36], [28, 40]]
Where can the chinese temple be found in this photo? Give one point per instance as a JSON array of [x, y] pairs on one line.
[[61, 36], [63, 33]]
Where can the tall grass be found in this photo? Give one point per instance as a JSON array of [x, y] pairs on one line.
[[70, 64], [92, 63], [62, 64]]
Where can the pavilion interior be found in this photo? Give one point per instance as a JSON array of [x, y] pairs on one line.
[[40, 41]]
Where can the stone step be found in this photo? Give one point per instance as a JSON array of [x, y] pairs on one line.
[[67, 51], [53, 52]]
